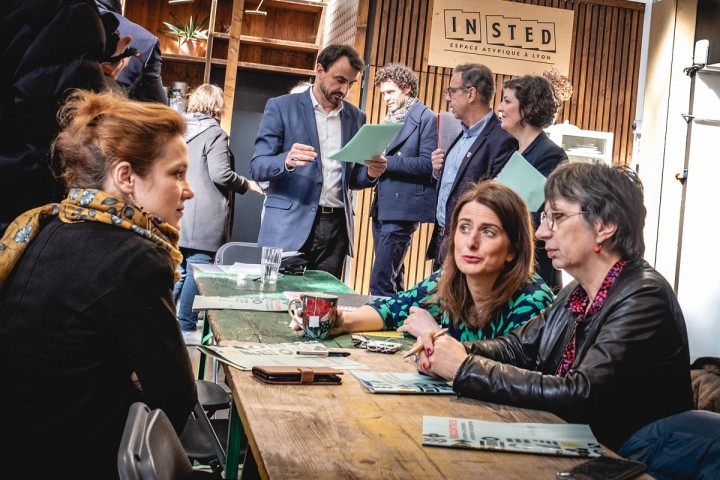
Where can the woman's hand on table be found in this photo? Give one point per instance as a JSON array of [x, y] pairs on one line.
[[441, 357], [419, 321], [341, 326]]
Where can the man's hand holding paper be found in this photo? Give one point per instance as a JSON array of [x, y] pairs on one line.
[[376, 166], [370, 141]]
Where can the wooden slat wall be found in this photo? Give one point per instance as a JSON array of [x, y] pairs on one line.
[[607, 37]]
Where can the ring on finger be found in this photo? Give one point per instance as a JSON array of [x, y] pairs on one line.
[[416, 357]]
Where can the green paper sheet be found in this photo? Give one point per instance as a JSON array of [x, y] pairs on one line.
[[525, 180], [369, 141]]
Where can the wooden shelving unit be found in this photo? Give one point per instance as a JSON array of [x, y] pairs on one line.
[[285, 40]]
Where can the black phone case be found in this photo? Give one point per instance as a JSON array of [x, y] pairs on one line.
[[298, 375], [604, 468]]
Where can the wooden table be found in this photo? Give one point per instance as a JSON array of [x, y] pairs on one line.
[[345, 432]]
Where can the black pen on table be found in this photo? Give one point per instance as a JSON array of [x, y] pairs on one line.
[[338, 353], [419, 347]]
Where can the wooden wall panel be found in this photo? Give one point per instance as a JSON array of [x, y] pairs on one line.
[[606, 46]]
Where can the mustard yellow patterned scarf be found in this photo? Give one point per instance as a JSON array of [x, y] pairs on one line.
[[86, 205]]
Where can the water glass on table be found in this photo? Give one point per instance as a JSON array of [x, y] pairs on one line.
[[270, 264]]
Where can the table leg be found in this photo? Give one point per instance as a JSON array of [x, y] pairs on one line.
[[204, 340], [235, 436]]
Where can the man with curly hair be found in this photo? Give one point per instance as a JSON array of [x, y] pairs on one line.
[[405, 194]]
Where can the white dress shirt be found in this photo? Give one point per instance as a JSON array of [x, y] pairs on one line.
[[329, 131]]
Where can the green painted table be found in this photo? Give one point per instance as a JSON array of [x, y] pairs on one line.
[[256, 326]]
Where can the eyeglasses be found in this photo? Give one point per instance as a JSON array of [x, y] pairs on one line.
[[554, 218], [451, 90]]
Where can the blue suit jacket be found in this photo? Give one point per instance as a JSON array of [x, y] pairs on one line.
[[484, 160], [406, 191], [292, 197], [141, 77]]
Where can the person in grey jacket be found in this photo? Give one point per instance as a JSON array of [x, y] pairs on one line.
[[612, 350], [207, 222], [405, 194]]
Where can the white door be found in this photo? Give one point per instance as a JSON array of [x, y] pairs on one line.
[[698, 282]]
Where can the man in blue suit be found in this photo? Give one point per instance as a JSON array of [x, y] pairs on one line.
[[405, 194], [308, 207], [479, 152]]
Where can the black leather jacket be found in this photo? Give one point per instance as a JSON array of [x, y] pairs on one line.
[[632, 364]]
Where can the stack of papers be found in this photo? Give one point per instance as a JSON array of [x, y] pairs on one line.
[[567, 439], [248, 355], [202, 302], [391, 382]]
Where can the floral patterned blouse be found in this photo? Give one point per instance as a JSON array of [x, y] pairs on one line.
[[524, 305]]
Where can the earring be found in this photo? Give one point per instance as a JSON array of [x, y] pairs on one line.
[[597, 248]]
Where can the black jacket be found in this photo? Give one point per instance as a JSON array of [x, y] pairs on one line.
[[47, 48], [87, 304], [632, 364]]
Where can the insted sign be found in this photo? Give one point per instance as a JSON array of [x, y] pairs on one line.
[[509, 38]]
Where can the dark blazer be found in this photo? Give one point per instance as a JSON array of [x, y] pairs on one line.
[[544, 155], [293, 197], [87, 304], [42, 60], [406, 191], [485, 158], [141, 77]]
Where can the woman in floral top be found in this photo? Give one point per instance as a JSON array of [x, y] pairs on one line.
[[485, 289]]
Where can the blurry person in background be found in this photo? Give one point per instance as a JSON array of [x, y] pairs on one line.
[[528, 106], [50, 47], [208, 219], [87, 317], [141, 78], [405, 194]]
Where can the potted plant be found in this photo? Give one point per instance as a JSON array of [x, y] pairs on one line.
[[191, 35]]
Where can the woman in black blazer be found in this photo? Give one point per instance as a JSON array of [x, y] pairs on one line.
[[529, 105]]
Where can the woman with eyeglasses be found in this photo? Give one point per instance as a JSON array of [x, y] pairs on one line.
[[528, 106], [612, 349]]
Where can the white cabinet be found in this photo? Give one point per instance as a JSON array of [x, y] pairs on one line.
[[582, 145]]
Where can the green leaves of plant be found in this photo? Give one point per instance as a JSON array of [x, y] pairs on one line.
[[190, 30]]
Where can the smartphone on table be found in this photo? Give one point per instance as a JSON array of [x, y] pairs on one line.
[[604, 468]]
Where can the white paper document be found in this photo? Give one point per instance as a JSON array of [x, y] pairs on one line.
[[371, 140], [566, 439], [203, 302], [248, 355], [244, 268]]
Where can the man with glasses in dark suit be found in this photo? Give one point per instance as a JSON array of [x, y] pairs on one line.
[[479, 152]]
